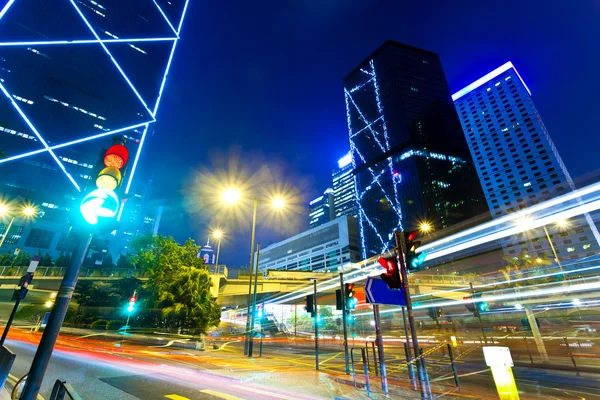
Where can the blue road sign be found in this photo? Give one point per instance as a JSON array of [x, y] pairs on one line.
[[378, 292]]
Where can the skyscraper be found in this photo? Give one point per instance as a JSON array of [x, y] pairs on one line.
[[72, 74], [344, 189], [516, 160], [321, 209], [410, 158]]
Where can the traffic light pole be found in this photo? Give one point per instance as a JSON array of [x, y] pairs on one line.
[[477, 312], [411, 367], [10, 320], [379, 340], [59, 310], [246, 342], [316, 319], [344, 318], [421, 372]]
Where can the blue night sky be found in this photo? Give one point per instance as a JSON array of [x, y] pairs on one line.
[[265, 78]]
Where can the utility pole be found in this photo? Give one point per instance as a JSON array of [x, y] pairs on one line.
[[59, 310], [246, 342], [251, 342], [316, 318], [411, 319], [344, 322]]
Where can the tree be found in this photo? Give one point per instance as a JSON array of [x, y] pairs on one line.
[[22, 260], [178, 283], [107, 262], [125, 261], [46, 261], [125, 287]]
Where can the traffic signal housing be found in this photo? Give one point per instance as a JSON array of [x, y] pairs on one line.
[[350, 296], [310, 305], [474, 304], [435, 312], [392, 274], [413, 259], [131, 306]]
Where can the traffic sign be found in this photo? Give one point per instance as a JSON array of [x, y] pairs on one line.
[[378, 292], [99, 204], [33, 264]]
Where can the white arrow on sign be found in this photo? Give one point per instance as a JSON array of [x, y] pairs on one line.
[[101, 203]]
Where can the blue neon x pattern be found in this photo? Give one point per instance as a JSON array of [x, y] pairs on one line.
[[170, 35], [373, 129]]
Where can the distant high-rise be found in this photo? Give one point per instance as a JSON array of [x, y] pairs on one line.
[[344, 189], [410, 158], [516, 160], [321, 209], [85, 71]]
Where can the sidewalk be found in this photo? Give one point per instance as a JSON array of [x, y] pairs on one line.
[[4, 394]]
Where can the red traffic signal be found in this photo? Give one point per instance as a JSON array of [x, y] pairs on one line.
[[132, 299], [392, 274]]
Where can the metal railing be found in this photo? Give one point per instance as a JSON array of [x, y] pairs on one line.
[[62, 390], [9, 271]]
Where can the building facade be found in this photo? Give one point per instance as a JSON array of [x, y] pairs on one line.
[[517, 162], [409, 156], [324, 248], [86, 71], [321, 209], [344, 188]]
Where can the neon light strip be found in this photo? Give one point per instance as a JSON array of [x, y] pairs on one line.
[[6, 7], [182, 15], [58, 146], [162, 85], [486, 78], [91, 41], [111, 57], [40, 138], [165, 17], [137, 158]]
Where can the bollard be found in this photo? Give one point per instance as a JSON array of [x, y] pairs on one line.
[[426, 382], [501, 363], [453, 366], [365, 370], [570, 354], [528, 351], [411, 367]]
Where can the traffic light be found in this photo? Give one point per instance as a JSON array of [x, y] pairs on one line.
[[475, 305], [351, 300], [310, 305], [103, 202], [435, 313], [339, 305], [392, 274], [413, 259], [131, 306]]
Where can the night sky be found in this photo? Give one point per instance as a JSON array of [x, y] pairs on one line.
[[261, 82]]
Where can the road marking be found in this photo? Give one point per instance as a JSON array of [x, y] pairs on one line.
[[331, 358], [175, 397], [460, 376], [265, 392], [219, 394]]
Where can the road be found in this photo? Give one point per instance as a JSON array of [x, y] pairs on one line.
[[98, 371]]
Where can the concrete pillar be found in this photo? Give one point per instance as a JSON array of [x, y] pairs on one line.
[[537, 336]]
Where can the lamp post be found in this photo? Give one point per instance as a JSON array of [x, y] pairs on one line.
[[217, 234], [233, 196], [27, 211], [560, 224]]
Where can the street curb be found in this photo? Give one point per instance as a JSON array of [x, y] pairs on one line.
[[569, 368]]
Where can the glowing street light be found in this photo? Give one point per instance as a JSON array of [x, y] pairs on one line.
[[562, 223], [232, 196], [425, 227], [278, 203], [28, 211], [217, 234]]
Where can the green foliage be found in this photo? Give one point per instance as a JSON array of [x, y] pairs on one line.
[[179, 283], [107, 262], [99, 324], [125, 287], [125, 261], [22, 260], [46, 261], [31, 312], [63, 260]]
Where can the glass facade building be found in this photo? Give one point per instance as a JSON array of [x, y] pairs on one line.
[[517, 162], [344, 188], [324, 248], [321, 209], [73, 74], [409, 156]]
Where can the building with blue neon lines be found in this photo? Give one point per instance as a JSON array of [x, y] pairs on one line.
[[74, 73], [410, 159], [518, 163]]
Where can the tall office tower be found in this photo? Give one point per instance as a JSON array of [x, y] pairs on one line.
[[516, 160], [344, 190], [410, 158], [73, 74], [321, 209]]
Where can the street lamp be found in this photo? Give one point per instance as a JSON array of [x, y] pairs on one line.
[[217, 234], [425, 227], [233, 196], [527, 222], [27, 210]]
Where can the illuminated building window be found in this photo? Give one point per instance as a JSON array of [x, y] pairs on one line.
[[92, 8], [586, 246], [81, 110], [570, 249], [17, 133], [35, 51], [14, 235], [24, 100]]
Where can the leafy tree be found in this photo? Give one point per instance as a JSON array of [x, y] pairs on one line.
[[125, 287], [107, 262], [178, 284], [22, 260], [125, 261], [46, 261]]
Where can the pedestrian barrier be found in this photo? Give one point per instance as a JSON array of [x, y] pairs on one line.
[[62, 390], [7, 358]]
